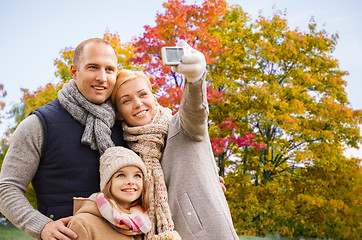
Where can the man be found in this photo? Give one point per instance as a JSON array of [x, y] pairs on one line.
[[57, 148]]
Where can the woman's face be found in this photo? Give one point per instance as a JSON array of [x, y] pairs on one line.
[[127, 185], [135, 103]]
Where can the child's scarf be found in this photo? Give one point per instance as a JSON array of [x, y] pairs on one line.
[[135, 223], [148, 141]]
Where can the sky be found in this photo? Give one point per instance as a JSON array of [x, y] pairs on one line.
[[32, 33]]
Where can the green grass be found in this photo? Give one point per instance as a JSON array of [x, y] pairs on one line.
[[276, 237], [12, 233], [268, 237], [250, 238]]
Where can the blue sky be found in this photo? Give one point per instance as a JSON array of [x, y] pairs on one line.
[[33, 32]]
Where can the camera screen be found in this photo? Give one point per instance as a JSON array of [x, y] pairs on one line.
[[174, 54]]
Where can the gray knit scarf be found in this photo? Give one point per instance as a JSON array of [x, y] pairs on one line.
[[97, 118]]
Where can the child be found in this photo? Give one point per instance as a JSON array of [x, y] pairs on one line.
[[198, 205], [119, 210]]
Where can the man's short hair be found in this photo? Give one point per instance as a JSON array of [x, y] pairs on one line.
[[79, 49]]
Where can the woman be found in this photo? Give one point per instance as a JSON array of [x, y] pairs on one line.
[[198, 205]]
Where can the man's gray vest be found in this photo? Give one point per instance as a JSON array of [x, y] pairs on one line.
[[67, 168]]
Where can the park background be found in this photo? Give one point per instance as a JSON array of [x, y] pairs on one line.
[[33, 33], [37, 34]]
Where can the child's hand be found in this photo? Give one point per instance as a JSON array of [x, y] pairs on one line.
[[192, 66]]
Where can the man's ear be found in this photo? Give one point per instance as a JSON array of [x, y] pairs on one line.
[[73, 71]]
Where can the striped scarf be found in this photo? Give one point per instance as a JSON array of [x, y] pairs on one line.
[[135, 223], [148, 141]]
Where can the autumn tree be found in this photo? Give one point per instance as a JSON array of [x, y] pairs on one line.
[[284, 86], [179, 21], [191, 23], [279, 115]]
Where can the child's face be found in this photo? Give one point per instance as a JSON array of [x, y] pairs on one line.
[[127, 185], [135, 103]]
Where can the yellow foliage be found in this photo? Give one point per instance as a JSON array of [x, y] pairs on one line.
[[291, 93]]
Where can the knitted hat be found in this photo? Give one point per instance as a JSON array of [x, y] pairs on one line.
[[115, 158]]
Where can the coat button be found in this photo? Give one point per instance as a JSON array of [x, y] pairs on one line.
[[51, 216]]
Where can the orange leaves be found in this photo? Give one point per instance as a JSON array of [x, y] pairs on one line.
[[2, 95], [319, 202], [326, 198], [124, 51], [181, 21], [2, 91], [63, 64], [215, 97], [286, 119], [42, 96], [178, 21], [2, 105], [310, 200]]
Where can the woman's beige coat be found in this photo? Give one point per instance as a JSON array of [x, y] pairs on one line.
[[198, 205], [89, 224]]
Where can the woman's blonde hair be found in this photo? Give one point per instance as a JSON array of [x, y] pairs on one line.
[[143, 201], [125, 75]]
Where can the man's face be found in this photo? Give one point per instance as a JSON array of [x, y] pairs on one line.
[[96, 73]]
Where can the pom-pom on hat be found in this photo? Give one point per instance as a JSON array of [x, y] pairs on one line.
[[115, 158]]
